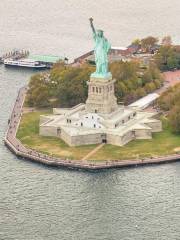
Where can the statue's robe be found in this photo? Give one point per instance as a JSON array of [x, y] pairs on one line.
[[101, 49]]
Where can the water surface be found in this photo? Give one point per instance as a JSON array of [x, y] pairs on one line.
[[39, 203]]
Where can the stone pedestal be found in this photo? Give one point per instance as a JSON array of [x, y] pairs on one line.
[[101, 98]]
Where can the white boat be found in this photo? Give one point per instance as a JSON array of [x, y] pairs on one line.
[[28, 63]]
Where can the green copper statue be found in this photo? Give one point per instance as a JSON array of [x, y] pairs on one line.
[[101, 49]]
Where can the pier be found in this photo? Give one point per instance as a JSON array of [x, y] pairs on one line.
[[21, 151], [15, 55], [47, 60]]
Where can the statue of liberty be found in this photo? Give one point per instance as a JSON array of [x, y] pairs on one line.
[[101, 49]]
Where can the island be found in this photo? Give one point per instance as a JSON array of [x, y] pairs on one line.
[[92, 129]]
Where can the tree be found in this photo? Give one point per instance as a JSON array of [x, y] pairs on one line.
[[148, 43], [174, 118], [38, 93], [120, 90], [170, 98], [71, 86], [166, 58], [154, 71], [170, 102], [136, 42], [151, 74], [140, 92], [166, 41], [172, 62], [150, 87], [165, 102], [66, 85], [158, 83], [40, 96], [124, 70], [147, 77]]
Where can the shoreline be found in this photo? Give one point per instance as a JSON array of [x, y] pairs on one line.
[[21, 151]]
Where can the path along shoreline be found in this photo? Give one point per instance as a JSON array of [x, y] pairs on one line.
[[34, 156]]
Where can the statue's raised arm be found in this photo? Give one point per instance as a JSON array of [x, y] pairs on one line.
[[92, 25], [101, 48]]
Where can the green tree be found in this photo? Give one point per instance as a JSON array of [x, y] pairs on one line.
[[148, 43], [150, 87], [172, 62], [136, 42], [170, 98], [66, 86], [40, 96], [151, 74], [140, 92], [120, 90], [124, 70], [147, 77], [174, 118], [167, 41], [71, 84], [166, 58], [158, 83], [38, 93], [166, 101]]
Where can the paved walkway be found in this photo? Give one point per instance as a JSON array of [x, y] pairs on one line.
[[171, 78], [93, 152]]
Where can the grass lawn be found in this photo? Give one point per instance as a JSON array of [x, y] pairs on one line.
[[162, 143]]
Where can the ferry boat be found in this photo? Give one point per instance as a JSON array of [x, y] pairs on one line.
[[28, 63]]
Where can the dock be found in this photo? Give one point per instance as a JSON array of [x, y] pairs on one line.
[[47, 60], [15, 55]]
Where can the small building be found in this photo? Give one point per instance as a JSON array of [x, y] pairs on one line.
[[119, 51], [145, 102], [115, 54], [133, 48], [84, 57], [48, 60]]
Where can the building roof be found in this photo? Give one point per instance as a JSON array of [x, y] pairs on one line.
[[45, 58], [83, 123], [145, 101], [119, 48]]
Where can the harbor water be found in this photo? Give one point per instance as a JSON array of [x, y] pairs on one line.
[[42, 203]]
